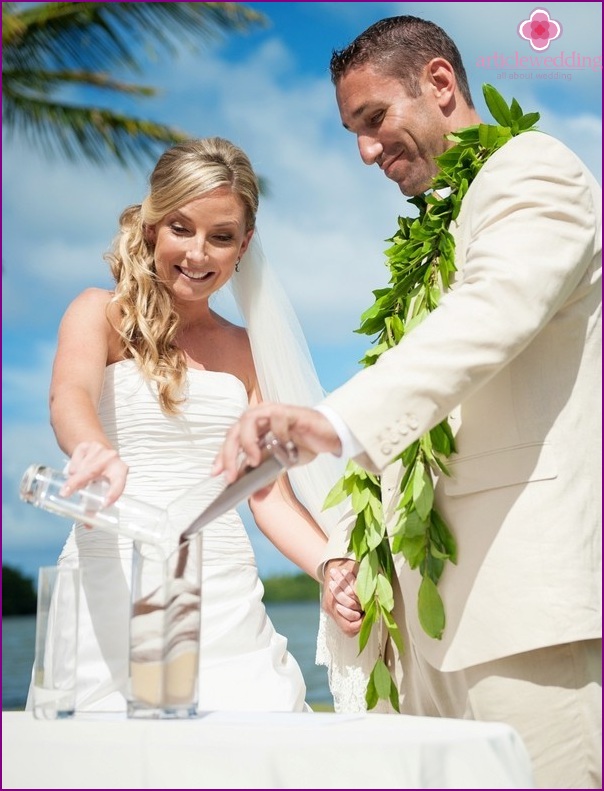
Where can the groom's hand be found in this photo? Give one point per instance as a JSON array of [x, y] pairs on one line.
[[309, 430]]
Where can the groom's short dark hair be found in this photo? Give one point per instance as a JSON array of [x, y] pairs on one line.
[[400, 46]]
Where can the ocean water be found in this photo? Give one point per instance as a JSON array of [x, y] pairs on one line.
[[18, 638], [298, 621]]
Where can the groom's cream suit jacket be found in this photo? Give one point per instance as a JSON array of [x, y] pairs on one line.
[[512, 355]]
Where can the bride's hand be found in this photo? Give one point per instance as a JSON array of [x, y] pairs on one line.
[[92, 460], [339, 598]]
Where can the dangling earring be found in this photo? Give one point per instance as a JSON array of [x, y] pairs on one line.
[[237, 265]]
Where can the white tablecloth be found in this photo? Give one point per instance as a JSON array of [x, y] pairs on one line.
[[241, 750]]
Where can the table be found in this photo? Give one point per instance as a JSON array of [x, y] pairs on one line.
[[259, 750]]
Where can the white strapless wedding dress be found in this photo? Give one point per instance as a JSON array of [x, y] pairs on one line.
[[244, 663]]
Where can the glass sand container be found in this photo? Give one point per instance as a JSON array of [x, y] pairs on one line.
[[42, 486], [56, 646], [165, 631]]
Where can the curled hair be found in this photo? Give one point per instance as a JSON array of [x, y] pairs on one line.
[[400, 46], [148, 323]]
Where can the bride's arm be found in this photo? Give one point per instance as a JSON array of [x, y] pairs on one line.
[[282, 517], [289, 526], [279, 514], [77, 381]]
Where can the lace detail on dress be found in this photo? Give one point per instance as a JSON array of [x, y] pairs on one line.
[[347, 671]]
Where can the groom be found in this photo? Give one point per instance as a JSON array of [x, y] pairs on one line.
[[511, 355]]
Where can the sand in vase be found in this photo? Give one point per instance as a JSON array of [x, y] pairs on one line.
[[165, 633]]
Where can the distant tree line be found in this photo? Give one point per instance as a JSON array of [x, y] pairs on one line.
[[19, 594], [299, 587]]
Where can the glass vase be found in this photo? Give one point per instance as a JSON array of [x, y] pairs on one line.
[[165, 617]]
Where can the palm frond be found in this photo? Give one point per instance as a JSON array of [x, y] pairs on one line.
[[88, 132], [48, 47], [99, 36], [40, 82]]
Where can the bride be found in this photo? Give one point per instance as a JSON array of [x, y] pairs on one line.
[[146, 381]]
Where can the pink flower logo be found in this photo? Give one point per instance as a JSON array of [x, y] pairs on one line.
[[539, 29]]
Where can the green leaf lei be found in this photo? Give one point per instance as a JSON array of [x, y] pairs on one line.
[[421, 263]]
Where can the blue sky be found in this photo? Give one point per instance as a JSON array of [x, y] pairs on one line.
[[324, 224]]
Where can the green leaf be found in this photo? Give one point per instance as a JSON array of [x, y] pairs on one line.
[[369, 620], [497, 105], [487, 135], [409, 454], [371, 696], [430, 609], [442, 466], [384, 592], [423, 491], [425, 444], [336, 495], [413, 549], [440, 440], [358, 539], [374, 530], [366, 579], [394, 697], [353, 471], [381, 679], [432, 567], [450, 157], [527, 121], [468, 135], [397, 327], [447, 429], [375, 507], [407, 498], [393, 630], [360, 497], [445, 536], [412, 525], [515, 110]]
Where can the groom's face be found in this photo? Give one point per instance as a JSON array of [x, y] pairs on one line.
[[400, 133]]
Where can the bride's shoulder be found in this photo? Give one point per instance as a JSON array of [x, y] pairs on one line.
[[89, 308], [230, 330], [235, 352], [93, 297]]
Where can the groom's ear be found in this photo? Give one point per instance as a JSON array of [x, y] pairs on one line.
[[441, 77]]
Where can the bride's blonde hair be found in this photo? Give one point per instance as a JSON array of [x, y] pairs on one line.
[[148, 323]]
